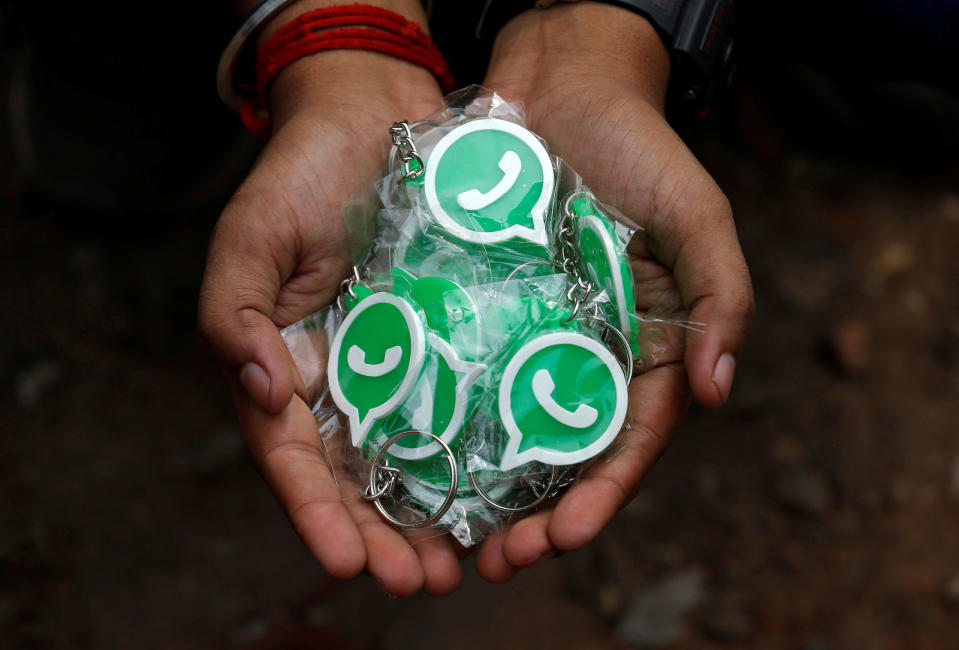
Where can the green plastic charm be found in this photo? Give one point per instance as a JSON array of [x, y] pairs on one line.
[[437, 403], [375, 360], [604, 261], [490, 181], [562, 400], [449, 310]]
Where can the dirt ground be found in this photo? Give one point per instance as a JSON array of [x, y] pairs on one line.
[[819, 510]]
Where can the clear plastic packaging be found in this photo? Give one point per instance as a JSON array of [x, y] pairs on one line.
[[480, 354]]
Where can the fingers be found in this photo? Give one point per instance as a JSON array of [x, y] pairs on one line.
[[491, 563], [659, 399], [237, 299], [287, 448], [344, 532], [441, 568], [389, 558], [714, 282], [691, 230], [522, 544], [528, 541]]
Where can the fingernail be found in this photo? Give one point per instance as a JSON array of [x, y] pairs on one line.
[[257, 383], [723, 375]]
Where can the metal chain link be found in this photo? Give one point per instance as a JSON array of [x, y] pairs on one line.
[[387, 477], [580, 290], [403, 143], [348, 288]]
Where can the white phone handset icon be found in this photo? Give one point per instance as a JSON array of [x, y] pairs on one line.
[[511, 165], [543, 387], [356, 358]]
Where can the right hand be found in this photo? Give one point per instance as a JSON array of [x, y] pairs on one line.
[[279, 252], [601, 108]]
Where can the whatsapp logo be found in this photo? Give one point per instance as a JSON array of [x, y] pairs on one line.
[[437, 404], [488, 181], [375, 360], [606, 267], [562, 400]]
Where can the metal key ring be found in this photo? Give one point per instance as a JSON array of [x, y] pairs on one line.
[[554, 473], [376, 467], [524, 264], [567, 208], [348, 288], [624, 344]]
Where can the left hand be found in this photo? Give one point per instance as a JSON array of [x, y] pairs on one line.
[[278, 254], [593, 79]]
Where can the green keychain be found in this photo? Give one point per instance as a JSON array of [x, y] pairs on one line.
[[476, 372], [604, 261], [375, 359], [562, 400], [489, 181]]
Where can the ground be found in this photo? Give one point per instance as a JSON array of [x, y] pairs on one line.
[[818, 510]]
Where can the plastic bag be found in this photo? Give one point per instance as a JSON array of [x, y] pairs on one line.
[[481, 352]]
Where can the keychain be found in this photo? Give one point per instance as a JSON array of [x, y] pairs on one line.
[[603, 257], [485, 344], [513, 167]]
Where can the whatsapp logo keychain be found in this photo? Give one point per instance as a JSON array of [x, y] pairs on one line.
[[375, 360], [489, 181], [483, 369], [438, 402], [562, 400], [603, 259]]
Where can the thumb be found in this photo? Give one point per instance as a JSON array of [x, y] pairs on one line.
[[714, 283], [237, 300]]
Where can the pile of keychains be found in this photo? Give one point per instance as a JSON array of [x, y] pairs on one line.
[[482, 349]]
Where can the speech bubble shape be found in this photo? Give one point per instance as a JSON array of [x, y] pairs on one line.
[[375, 360], [442, 399], [490, 180], [606, 267], [562, 400]]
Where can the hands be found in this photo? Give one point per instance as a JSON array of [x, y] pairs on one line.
[[278, 254], [593, 78]]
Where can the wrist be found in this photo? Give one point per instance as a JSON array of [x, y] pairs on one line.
[[357, 81], [353, 85], [541, 51]]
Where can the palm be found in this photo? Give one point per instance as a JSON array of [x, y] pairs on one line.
[[310, 169], [629, 156]]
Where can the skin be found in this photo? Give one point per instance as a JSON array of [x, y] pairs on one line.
[[280, 250]]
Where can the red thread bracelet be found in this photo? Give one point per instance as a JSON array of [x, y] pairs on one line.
[[349, 27]]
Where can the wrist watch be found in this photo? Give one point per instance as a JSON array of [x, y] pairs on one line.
[[699, 37]]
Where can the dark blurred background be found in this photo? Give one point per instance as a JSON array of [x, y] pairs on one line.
[[819, 510]]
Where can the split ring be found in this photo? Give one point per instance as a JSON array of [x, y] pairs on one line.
[[376, 467], [554, 473]]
